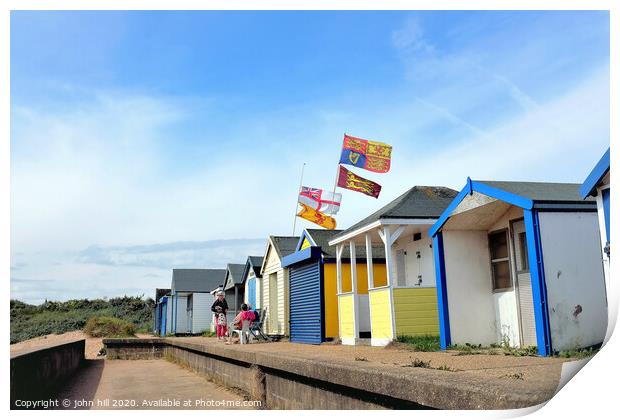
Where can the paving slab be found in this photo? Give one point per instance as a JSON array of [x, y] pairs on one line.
[[145, 384]]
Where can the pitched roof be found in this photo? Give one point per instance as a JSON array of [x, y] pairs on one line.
[[253, 262], [546, 192], [234, 275], [284, 245], [256, 262], [596, 175], [527, 195], [321, 238], [197, 279], [419, 202], [161, 292]]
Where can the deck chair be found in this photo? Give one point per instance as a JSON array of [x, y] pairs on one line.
[[256, 329], [243, 333]]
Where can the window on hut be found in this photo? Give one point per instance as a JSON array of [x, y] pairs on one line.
[[500, 264]]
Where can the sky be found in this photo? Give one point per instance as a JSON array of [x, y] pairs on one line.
[[146, 141]]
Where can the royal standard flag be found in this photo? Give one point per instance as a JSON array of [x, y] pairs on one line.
[[366, 154], [350, 181], [316, 217]]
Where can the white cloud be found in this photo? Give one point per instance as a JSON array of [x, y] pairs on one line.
[[410, 37], [101, 175]]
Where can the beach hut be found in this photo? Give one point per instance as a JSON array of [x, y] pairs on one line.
[[252, 281], [190, 299], [597, 185], [313, 303], [274, 290], [164, 311], [233, 287], [157, 311], [402, 301], [519, 263]]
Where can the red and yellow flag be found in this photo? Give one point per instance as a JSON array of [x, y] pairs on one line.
[[350, 181], [366, 154], [317, 217]]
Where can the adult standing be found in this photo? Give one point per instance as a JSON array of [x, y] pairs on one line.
[[219, 309]]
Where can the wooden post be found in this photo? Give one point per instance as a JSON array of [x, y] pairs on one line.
[[369, 267], [339, 249], [353, 260], [356, 309], [387, 245]]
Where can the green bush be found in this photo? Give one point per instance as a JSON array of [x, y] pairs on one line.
[[104, 326], [51, 317]]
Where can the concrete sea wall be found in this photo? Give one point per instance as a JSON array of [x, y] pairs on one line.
[[36, 373]]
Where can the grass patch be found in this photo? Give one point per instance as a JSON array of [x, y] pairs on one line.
[[420, 342], [419, 364], [520, 352], [469, 349], [504, 348], [104, 326], [577, 353], [209, 334], [447, 368], [360, 359]]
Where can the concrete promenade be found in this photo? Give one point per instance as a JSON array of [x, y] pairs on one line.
[[296, 376], [144, 384]]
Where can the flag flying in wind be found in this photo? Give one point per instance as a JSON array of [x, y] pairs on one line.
[[316, 217], [350, 181], [366, 154], [321, 200]]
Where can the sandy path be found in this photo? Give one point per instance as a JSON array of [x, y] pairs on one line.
[[93, 345]]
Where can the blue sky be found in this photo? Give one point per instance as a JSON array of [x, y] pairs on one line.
[[142, 141]]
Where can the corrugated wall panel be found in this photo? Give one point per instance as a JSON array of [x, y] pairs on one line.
[[306, 305], [415, 311]]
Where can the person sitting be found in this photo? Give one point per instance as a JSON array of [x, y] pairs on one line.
[[241, 324]]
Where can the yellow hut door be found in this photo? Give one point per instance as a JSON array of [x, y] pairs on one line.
[[524, 285], [273, 303]]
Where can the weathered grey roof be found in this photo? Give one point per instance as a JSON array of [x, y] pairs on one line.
[[197, 279], [234, 275], [256, 262], [540, 191], [419, 202], [284, 245], [321, 238], [159, 293], [253, 262]]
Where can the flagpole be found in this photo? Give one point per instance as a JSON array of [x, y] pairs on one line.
[[338, 170], [301, 181]]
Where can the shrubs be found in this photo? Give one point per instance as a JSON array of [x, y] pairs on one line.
[[52, 317], [104, 326]]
